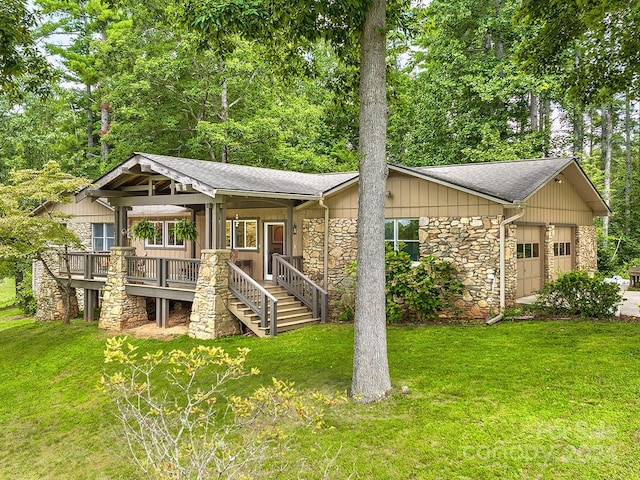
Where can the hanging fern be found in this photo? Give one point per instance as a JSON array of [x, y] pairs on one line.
[[144, 229], [186, 230]]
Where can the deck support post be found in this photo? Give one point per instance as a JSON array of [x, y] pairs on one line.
[[210, 317], [120, 310]]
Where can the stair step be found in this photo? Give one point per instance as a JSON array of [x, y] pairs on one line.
[[292, 313]]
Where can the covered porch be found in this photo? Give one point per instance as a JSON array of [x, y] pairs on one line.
[[248, 222]]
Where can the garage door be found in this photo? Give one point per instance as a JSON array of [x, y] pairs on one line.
[[563, 250], [529, 249]]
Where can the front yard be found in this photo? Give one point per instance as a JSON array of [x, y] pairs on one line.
[[516, 400]]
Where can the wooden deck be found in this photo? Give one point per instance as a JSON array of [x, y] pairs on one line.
[[291, 301]]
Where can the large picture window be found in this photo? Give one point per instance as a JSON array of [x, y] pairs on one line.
[[102, 237], [403, 232], [242, 234], [165, 236]]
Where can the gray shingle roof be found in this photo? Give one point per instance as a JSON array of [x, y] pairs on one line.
[[509, 181], [242, 178]]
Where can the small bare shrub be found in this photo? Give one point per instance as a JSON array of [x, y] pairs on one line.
[[178, 422]]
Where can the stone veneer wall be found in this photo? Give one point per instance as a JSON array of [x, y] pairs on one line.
[[549, 259], [586, 249], [472, 245], [51, 297], [84, 232], [210, 317], [120, 310], [343, 246]]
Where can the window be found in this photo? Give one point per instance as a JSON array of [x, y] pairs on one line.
[[242, 234], [403, 231], [528, 250], [165, 236], [102, 237], [562, 249]]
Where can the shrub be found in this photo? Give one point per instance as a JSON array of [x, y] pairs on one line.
[[413, 292], [419, 292], [178, 422], [578, 294]]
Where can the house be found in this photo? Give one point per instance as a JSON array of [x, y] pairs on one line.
[[507, 226]]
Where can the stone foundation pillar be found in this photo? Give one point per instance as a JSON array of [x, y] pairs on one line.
[[586, 254], [549, 257], [51, 296], [119, 310], [210, 317]]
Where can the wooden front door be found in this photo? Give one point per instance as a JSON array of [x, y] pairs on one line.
[[530, 253], [273, 243]]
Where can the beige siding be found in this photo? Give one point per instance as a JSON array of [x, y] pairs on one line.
[[411, 197], [177, 252], [85, 212], [558, 203], [267, 215]]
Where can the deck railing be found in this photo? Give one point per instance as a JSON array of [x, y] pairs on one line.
[[89, 265], [255, 296], [163, 272], [300, 286]]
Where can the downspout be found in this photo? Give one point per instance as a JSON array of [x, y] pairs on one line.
[[503, 223], [325, 257]]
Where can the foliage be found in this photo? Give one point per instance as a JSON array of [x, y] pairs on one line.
[[186, 229], [144, 229], [594, 41], [577, 293], [177, 425], [414, 293], [28, 236], [23, 68], [420, 292]]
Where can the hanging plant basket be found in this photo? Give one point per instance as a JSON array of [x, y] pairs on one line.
[[186, 230], [144, 229]]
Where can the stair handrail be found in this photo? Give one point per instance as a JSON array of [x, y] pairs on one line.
[[300, 286], [254, 296]]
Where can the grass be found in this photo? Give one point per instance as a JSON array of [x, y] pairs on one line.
[[7, 292], [517, 400]]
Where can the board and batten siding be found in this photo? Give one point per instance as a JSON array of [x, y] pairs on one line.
[[85, 211], [410, 197], [557, 203]]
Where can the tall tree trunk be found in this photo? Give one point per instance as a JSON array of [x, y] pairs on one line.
[[371, 380], [577, 121], [607, 135], [533, 112], [104, 128], [627, 164], [90, 143], [224, 118]]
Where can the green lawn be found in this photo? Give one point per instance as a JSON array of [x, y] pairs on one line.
[[516, 400]]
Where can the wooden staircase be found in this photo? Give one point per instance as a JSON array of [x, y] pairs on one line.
[[292, 313]]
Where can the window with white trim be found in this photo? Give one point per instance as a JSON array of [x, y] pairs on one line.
[[403, 232], [102, 236], [165, 236], [242, 234]]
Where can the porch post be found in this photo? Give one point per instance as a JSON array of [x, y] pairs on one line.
[[210, 317], [207, 226], [120, 310], [288, 241], [117, 241], [222, 224]]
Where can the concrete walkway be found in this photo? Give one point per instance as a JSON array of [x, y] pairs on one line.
[[629, 307]]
